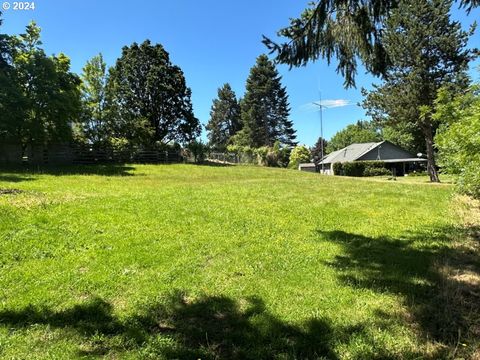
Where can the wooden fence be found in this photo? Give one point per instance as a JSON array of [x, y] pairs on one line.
[[74, 154]]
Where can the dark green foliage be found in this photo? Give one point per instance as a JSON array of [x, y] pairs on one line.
[[10, 94], [265, 108], [41, 100], [361, 132], [224, 118], [150, 100], [458, 138], [369, 171], [273, 156], [427, 50], [198, 150], [360, 168], [337, 168], [316, 150], [345, 30], [408, 136], [353, 168]]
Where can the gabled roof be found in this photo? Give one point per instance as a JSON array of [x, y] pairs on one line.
[[350, 153], [388, 152]]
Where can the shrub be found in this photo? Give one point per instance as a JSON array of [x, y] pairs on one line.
[[338, 169], [275, 156], [300, 154], [458, 139], [353, 168], [360, 168], [372, 171], [198, 149]]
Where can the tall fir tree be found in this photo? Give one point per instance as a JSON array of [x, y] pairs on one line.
[[346, 30], [265, 108], [427, 50], [224, 118], [316, 150]]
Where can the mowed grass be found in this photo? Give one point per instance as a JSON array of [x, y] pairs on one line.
[[189, 262]]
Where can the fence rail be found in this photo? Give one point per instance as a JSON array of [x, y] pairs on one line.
[[84, 155]]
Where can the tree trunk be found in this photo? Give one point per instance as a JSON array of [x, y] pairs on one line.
[[431, 166]]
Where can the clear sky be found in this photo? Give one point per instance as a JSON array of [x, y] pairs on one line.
[[213, 41]]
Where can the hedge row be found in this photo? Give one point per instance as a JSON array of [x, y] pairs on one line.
[[360, 168]]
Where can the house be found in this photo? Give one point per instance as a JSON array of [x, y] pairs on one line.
[[310, 167], [395, 158]]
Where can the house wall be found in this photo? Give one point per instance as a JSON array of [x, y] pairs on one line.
[[307, 167], [327, 169], [386, 151]]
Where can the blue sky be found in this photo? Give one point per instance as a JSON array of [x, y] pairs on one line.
[[212, 41]]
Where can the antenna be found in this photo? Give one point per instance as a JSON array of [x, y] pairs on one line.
[[319, 104]]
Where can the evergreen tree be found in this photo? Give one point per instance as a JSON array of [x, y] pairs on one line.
[[148, 97], [224, 118], [427, 50], [346, 30], [316, 150], [265, 109]]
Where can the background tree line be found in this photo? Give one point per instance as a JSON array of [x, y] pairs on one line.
[[142, 100], [416, 50], [259, 122]]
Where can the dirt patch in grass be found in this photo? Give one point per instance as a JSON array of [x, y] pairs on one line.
[[10, 191], [461, 281]]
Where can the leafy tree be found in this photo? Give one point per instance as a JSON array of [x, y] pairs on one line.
[[198, 149], [265, 108], [273, 156], [427, 50], [316, 150], [300, 154], [345, 30], [406, 135], [149, 98], [224, 118], [458, 138], [9, 90], [48, 101], [94, 109], [361, 132]]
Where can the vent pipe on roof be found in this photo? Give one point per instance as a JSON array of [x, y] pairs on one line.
[[378, 153]]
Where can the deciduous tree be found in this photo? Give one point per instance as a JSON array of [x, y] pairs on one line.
[[48, 96], [458, 138], [149, 97], [94, 109], [361, 132]]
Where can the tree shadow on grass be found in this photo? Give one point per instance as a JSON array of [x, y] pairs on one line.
[[14, 178], [215, 327], [23, 173], [428, 272]]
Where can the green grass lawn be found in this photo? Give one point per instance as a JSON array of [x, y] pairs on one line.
[[189, 262]]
